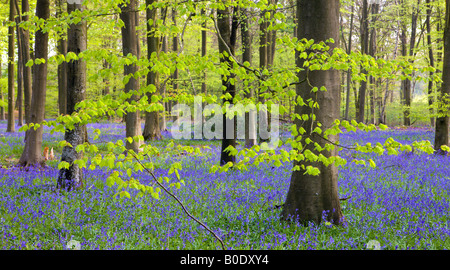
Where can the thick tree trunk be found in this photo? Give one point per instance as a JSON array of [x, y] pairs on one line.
[[129, 43], [250, 117], [32, 154], [62, 68], [442, 121], [152, 130], [227, 31], [310, 197], [72, 177], [11, 119]]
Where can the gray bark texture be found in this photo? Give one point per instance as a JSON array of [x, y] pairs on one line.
[[442, 121], [32, 153], [315, 198], [72, 177]]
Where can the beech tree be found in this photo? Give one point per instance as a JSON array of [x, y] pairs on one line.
[[72, 176], [227, 25], [152, 129], [12, 13], [130, 47], [31, 154], [310, 197], [442, 131]]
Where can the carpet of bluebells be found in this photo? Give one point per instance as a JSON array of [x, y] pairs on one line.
[[403, 203]]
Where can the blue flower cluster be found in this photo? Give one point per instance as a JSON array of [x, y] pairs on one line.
[[403, 203]]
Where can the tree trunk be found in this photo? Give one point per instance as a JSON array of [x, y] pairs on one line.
[[175, 73], [442, 121], [62, 68], [263, 120], [310, 197], [72, 177], [129, 43], [204, 46], [19, 101], [431, 62], [360, 110], [372, 50], [349, 72], [162, 123], [250, 117], [11, 119], [27, 76], [227, 31], [2, 109], [152, 130], [31, 154]]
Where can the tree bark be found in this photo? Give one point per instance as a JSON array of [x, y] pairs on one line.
[[11, 119], [360, 109], [442, 121], [72, 177], [19, 100], [250, 117], [62, 68], [129, 43], [31, 154], [349, 72], [152, 130], [227, 31], [431, 62], [27, 76], [310, 197], [2, 109]]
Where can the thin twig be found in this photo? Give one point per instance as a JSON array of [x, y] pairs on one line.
[[178, 200]]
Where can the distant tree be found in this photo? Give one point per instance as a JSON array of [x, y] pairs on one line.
[[72, 177], [62, 68], [310, 197], [32, 154], [11, 119]]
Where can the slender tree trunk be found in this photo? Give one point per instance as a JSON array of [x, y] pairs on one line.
[[11, 119], [32, 154], [163, 125], [27, 76], [152, 130], [72, 177], [62, 68], [250, 117], [19, 101], [263, 120], [204, 47], [360, 110], [227, 42], [431, 62], [2, 109], [349, 72], [372, 51], [129, 43], [174, 49], [310, 197], [442, 121]]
